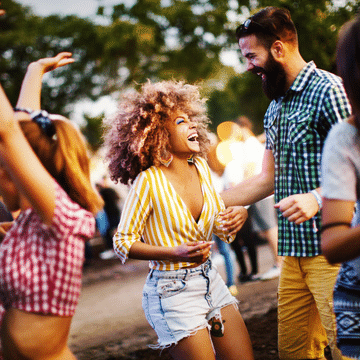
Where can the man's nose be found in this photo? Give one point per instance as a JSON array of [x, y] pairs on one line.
[[249, 65]]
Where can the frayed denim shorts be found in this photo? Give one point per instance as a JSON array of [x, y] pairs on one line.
[[177, 303]]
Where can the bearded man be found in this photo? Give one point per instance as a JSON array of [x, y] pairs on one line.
[[306, 102]]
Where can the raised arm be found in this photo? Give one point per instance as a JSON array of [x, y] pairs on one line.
[[34, 183], [30, 92]]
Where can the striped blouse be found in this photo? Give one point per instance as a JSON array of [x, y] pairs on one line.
[[156, 214]]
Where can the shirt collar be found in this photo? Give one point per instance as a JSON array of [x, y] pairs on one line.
[[303, 77]]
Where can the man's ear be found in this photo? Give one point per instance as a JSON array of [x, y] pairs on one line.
[[278, 50]]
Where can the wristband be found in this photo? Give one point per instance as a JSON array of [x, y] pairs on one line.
[[318, 198]]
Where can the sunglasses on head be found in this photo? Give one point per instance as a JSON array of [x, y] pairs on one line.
[[250, 27]]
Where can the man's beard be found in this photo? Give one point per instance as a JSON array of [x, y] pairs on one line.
[[273, 79]]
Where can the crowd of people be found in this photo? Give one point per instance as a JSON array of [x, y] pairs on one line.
[[157, 143]]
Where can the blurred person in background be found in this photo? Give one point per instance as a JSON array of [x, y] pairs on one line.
[[230, 153], [223, 248], [109, 218], [262, 213]]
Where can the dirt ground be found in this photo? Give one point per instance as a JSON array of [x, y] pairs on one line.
[[257, 306], [262, 330]]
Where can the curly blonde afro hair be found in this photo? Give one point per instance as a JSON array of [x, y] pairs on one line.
[[136, 137]]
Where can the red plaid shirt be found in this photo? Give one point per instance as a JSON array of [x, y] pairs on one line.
[[40, 265]]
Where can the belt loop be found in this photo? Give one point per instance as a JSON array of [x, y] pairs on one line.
[[187, 272], [207, 266], [203, 268], [151, 271]]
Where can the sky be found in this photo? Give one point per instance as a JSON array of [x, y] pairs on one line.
[[82, 8]]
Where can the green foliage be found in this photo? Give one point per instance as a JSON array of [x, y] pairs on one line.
[[181, 39], [156, 39], [93, 131], [27, 37], [242, 95]]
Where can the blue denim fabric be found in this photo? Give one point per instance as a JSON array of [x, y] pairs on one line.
[[178, 303], [225, 251]]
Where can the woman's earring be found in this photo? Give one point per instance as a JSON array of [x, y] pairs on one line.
[[167, 162]]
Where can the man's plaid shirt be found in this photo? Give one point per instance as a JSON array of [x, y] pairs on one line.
[[296, 127]]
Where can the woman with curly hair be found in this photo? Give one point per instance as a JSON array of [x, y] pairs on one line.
[[156, 142]]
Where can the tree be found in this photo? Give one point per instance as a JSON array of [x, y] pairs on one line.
[[26, 38], [92, 130], [156, 39], [242, 95], [168, 39]]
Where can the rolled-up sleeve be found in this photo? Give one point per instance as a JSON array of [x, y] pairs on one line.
[[136, 210]]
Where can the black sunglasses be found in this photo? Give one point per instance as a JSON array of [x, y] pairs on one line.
[[250, 27]]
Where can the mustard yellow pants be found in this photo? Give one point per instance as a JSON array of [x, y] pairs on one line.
[[306, 321]]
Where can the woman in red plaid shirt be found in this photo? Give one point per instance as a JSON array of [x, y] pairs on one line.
[[44, 172]]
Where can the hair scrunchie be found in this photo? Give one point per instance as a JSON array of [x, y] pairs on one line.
[[41, 117]]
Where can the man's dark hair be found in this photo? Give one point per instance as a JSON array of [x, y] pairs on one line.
[[269, 24]]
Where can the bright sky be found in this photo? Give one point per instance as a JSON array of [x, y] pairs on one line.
[[82, 8]]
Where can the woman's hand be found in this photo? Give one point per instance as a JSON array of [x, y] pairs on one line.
[[233, 218], [30, 93], [193, 251], [52, 63]]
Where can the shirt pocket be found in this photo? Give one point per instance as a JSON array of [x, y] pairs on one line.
[[300, 130], [303, 149]]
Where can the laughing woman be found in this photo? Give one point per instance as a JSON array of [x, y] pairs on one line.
[[157, 141]]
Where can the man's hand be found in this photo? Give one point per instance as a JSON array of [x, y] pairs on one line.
[[298, 208]]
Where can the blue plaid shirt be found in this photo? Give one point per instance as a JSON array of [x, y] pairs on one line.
[[296, 127]]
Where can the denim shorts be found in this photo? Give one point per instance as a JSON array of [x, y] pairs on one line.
[[177, 303]]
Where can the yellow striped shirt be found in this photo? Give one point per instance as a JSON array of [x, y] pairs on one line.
[[154, 212]]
